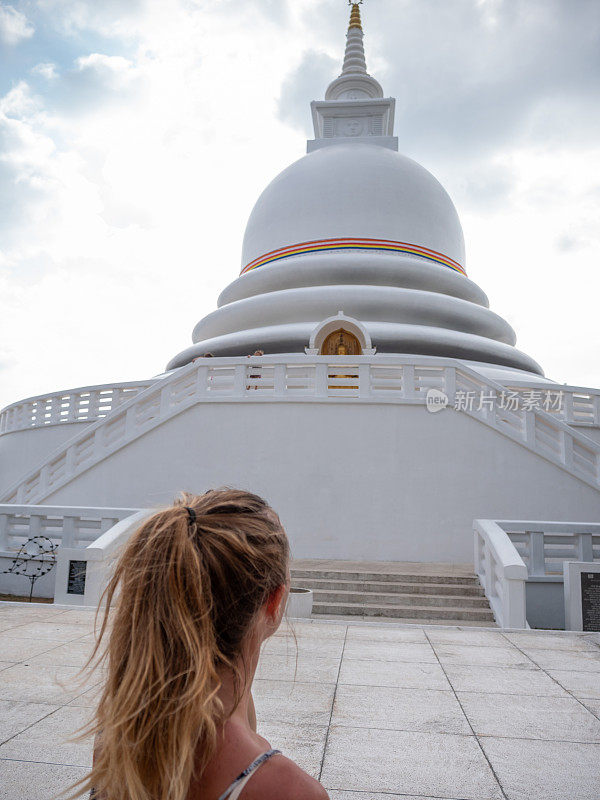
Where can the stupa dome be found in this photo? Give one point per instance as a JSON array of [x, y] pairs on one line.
[[353, 191], [356, 236]]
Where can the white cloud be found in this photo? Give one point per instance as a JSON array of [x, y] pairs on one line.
[[110, 18], [14, 25], [126, 218], [548, 292], [130, 173], [46, 70], [98, 62]]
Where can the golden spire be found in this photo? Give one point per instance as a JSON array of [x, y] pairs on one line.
[[355, 16]]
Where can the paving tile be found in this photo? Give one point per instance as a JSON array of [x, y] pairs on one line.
[[460, 636], [579, 661], [390, 651], [397, 727], [74, 654], [26, 780], [283, 701], [47, 740], [88, 698], [87, 637], [593, 706], [15, 649], [333, 795], [501, 680], [9, 624], [482, 656], [399, 709], [30, 611], [302, 668], [35, 605], [304, 744], [5, 627], [551, 641], [372, 672], [537, 770], [20, 617], [54, 685], [527, 717], [407, 763], [6, 607], [582, 684], [78, 616], [372, 633], [48, 630], [15, 716], [328, 630], [307, 645]]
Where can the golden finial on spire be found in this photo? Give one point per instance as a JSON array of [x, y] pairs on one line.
[[355, 15]]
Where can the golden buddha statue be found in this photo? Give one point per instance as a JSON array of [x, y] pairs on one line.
[[342, 350]]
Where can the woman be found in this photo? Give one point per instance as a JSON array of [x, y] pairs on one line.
[[200, 586]]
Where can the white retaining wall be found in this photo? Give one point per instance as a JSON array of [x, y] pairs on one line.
[[350, 480], [22, 451]]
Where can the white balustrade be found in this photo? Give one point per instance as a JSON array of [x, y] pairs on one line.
[[86, 404], [98, 557], [524, 551], [71, 526], [573, 405], [544, 546], [301, 378], [501, 572]]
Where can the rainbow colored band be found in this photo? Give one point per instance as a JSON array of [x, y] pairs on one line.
[[326, 245]]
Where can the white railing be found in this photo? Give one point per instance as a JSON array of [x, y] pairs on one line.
[[70, 526], [576, 405], [86, 404], [98, 559], [545, 546], [509, 553], [501, 572], [301, 378], [535, 428]]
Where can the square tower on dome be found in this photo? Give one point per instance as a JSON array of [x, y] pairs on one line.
[[354, 105]]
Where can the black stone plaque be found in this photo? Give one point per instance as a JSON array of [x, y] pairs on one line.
[[590, 600], [76, 581]]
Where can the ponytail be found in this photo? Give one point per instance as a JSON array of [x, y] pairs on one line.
[[190, 582]]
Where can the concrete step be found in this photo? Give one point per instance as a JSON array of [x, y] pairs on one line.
[[392, 599], [320, 574], [388, 587], [401, 591], [379, 621], [403, 611]]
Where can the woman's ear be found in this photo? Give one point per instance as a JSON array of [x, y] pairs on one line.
[[275, 605]]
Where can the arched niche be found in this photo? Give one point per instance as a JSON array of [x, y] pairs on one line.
[[351, 329], [341, 343]]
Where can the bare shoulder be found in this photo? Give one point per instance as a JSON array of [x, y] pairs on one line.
[[282, 779]]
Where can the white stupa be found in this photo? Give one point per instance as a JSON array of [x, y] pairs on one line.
[[390, 407], [354, 225]]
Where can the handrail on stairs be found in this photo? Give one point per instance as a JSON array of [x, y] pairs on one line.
[[300, 378]]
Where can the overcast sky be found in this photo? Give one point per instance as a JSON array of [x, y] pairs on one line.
[[137, 134]]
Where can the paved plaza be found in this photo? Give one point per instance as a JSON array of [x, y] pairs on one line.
[[376, 711]]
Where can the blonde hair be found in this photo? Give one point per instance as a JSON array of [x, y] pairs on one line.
[[189, 592]]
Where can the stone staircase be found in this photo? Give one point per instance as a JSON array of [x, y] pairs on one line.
[[435, 593]]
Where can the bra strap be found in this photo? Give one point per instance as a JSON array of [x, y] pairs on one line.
[[248, 772]]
